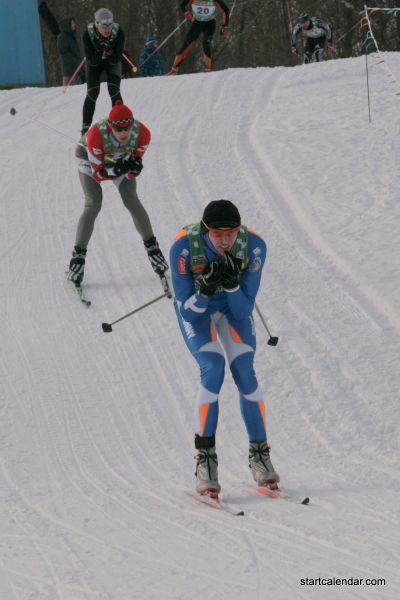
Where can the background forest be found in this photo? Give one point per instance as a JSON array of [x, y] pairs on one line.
[[260, 29]]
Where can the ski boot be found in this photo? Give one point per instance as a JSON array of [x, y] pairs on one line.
[[77, 265], [206, 467], [261, 467], [156, 257]]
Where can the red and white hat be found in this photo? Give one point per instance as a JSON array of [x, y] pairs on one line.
[[120, 116]]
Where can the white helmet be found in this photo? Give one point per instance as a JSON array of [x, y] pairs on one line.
[[104, 17]]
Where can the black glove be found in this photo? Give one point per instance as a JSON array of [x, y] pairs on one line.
[[121, 167], [231, 270], [135, 165], [210, 279]]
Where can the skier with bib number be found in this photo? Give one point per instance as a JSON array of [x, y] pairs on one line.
[[317, 32], [113, 150], [216, 268], [202, 14]]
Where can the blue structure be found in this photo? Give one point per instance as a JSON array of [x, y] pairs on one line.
[[21, 54]]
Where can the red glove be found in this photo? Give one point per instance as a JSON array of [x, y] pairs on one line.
[[225, 31], [294, 50], [188, 15], [331, 47]]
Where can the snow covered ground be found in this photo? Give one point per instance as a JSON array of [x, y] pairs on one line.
[[96, 429]]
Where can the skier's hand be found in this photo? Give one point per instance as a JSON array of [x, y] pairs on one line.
[[188, 15], [294, 50], [104, 45], [210, 279], [135, 165], [231, 271], [121, 167], [225, 31], [331, 47]]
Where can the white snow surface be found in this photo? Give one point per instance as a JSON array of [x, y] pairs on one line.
[[97, 429]]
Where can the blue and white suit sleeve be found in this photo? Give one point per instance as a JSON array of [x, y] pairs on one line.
[[241, 300], [191, 304]]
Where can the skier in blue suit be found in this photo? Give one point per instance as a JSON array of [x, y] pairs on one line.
[[216, 271]]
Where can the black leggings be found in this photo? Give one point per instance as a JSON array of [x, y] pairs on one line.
[[207, 28], [93, 75], [314, 46]]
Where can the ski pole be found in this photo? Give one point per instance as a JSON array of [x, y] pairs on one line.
[[107, 327], [36, 121], [134, 67], [272, 339], [71, 79], [164, 41]]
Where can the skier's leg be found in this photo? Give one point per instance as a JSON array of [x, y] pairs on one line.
[[114, 82], [93, 90], [208, 33], [191, 37], [141, 220], [319, 50], [239, 342], [93, 200], [202, 342]]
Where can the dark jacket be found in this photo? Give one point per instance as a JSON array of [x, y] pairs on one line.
[[153, 66], [102, 50], [68, 48]]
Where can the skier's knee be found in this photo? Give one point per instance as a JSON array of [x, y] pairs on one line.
[[212, 370], [243, 374]]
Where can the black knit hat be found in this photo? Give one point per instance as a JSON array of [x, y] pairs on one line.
[[221, 214]]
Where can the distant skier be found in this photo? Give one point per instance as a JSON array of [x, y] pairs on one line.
[[103, 43], [318, 34], [202, 13], [216, 268], [151, 62], [112, 151]]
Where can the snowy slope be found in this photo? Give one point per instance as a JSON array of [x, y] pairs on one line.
[[96, 430]]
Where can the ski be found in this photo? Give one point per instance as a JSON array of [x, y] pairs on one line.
[[84, 300], [165, 285], [279, 494], [215, 503], [78, 288]]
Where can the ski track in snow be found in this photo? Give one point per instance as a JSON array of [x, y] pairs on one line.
[[96, 436]]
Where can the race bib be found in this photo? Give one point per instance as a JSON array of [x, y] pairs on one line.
[[203, 11]]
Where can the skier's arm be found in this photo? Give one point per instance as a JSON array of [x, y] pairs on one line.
[[185, 5], [96, 156], [327, 27], [225, 12], [242, 299], [118, 47], [295, 33], [191, 304], [143, 141], [92, 53]]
